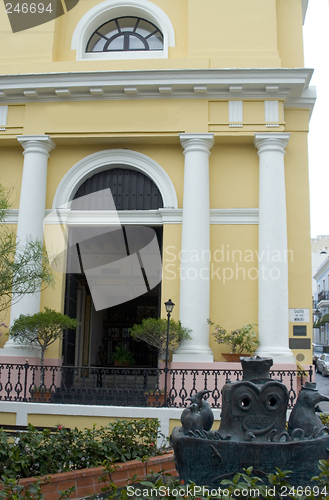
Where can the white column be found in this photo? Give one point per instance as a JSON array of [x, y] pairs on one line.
[[31, 209], [195, 250], [273, 312]]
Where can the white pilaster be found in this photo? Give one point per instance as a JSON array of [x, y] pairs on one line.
[[31, 211], [195, 250], [273, 312]]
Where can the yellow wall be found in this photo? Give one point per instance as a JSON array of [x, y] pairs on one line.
[[173, 422], [221, 34], [7, 418], [217, 35], [298, 223], [172, 234], [152, 128], [234, 176], [234, 285], [71, 421]]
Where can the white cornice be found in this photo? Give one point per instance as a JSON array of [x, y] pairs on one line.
[[322, 269], [234, 216], [290, 84], [304, 9], [143, 217]]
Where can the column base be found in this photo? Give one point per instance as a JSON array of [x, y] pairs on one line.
[[281, 356], [201, 355], [12, 348]]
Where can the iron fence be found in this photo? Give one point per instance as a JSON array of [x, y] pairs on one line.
[[323, 296], [126, 386]]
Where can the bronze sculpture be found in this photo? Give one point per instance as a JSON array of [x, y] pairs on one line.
[[252, 431]]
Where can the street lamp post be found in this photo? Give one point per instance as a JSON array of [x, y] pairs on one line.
[[169, 308]]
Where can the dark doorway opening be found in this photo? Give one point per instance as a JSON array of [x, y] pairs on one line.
[[100, 332]]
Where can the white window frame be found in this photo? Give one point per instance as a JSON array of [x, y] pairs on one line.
[[111, 9]]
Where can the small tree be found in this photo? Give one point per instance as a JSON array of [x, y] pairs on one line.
[[42, 329], [24, 269], [154, 332], [241, 340]]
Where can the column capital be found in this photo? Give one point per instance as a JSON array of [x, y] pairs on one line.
[[271, 142], [197, 142], [36, 143]]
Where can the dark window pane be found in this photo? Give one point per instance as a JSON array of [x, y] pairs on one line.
[[124, 34]]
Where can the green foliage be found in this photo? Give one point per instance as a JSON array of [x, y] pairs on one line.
[[24, 269], [123, 355], [243, 339], [42, 328], [38, 453], [242, 485], [12, 490], [324, 419], [153, 331]]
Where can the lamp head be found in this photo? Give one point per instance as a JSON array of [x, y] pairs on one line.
[[169, 306]]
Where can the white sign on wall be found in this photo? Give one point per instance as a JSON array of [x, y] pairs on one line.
[[299, 315]]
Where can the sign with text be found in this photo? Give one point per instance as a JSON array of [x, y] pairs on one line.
[[299, 315]]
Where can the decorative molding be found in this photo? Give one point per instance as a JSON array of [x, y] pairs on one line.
[[63, 92], [3, 115], [130, 90], [96, 91], [234, 216], [235, 88], [111, 9], [235, 112], [197, 142], [265, 142], [103, 160], [165, 90], [271, 111], [30, 93], [292, 84], [41, 144], [142, 217], [272, 89]]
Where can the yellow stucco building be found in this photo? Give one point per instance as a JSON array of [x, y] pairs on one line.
[[195, 115]]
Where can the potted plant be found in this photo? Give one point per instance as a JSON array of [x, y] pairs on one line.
[[153, 331], [41, 329], [242, 340], [122, 356]]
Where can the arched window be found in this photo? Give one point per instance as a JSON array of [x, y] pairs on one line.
[[130, 189], [123, 29], [124, 34]]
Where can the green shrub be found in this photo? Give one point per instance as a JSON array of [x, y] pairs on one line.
[[242, 485], [39, 453]]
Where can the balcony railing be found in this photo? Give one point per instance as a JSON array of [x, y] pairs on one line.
[[323, 296], [125, 386]]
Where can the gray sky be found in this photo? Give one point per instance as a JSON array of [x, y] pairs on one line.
[[316, 48]]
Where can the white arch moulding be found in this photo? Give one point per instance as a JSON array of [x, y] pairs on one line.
[[111, 9], [102, 160]]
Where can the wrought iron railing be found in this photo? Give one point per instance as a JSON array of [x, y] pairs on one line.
[[323, 296], [125, 386]]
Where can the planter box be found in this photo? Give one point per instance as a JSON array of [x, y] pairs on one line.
[[233, 358], [153, 401], [86, 480], [42, 396]]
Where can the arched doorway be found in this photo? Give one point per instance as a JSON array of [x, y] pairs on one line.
[[101, 331]]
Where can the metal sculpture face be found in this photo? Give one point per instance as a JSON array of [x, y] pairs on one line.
[[253, 411]]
